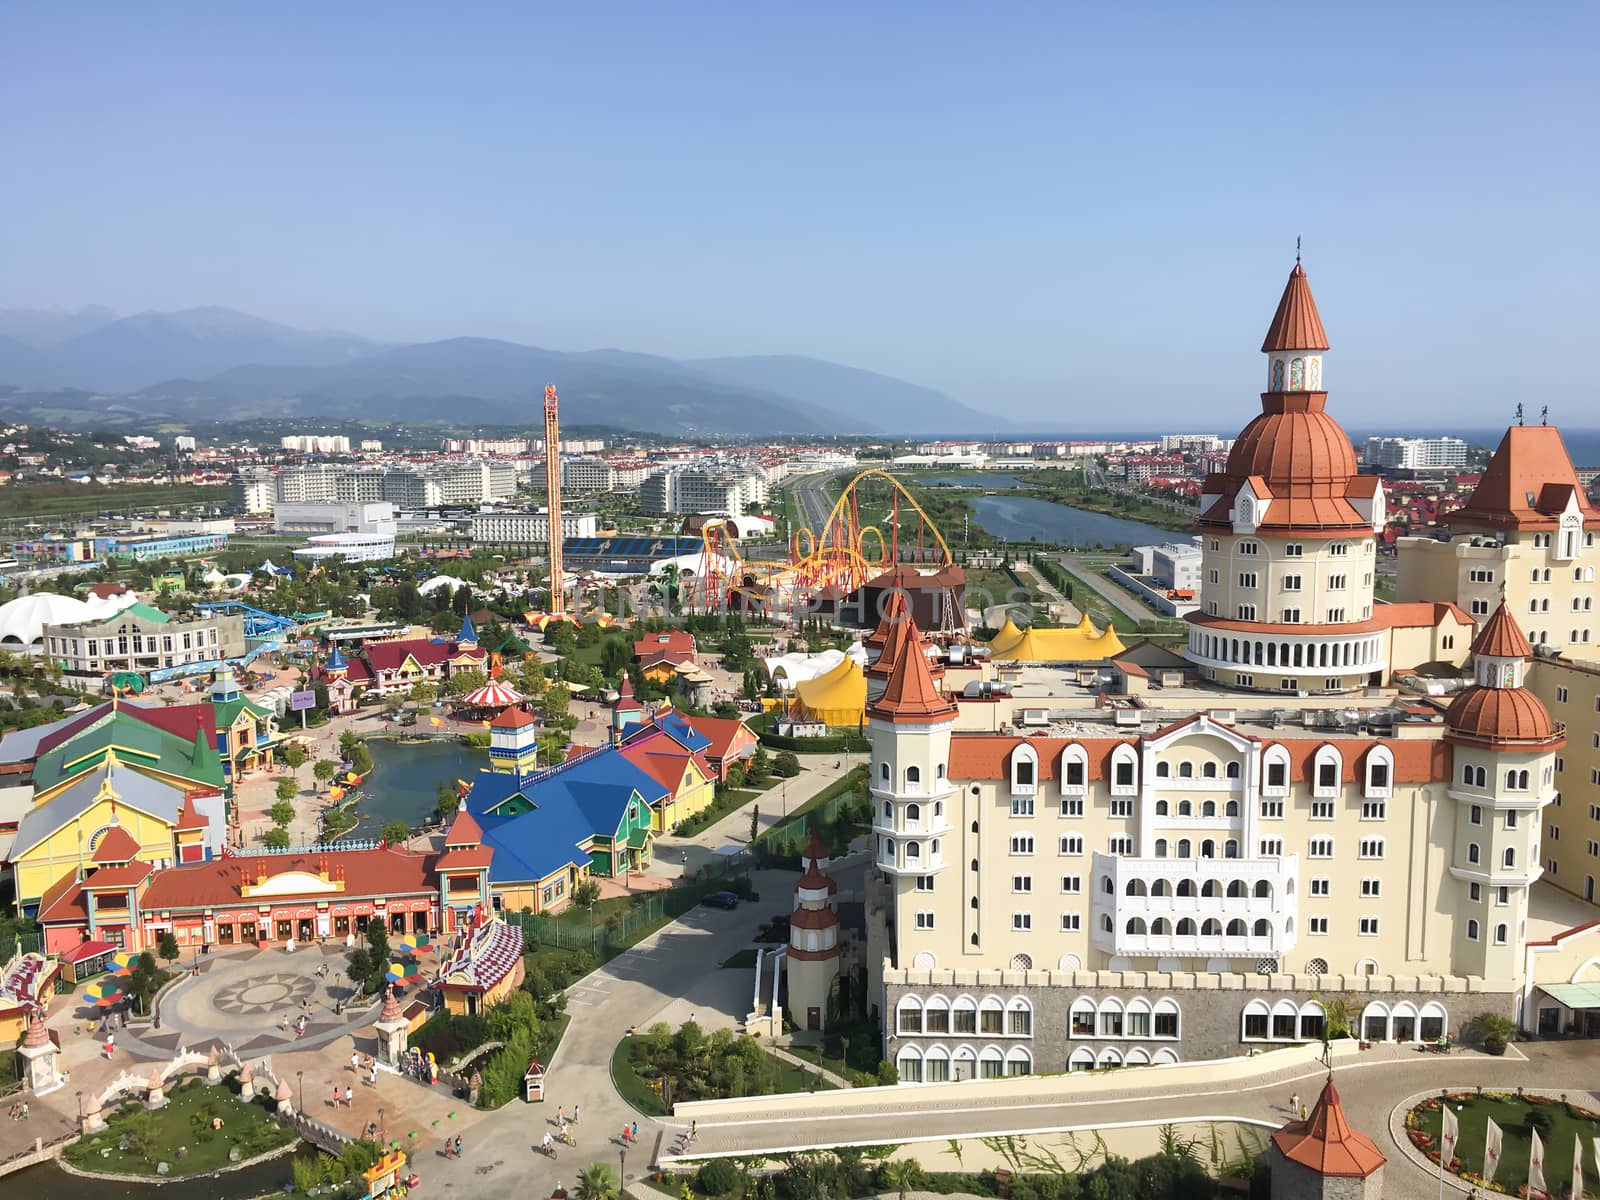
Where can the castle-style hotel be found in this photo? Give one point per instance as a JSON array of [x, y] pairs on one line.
[[1335, 811]]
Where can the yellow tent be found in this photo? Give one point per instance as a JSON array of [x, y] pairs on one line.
[[1082, 643], [837, 698]]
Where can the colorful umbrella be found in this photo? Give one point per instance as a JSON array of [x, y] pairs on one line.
[[104, 991], [123, 962], [412, 942], [403, 972]]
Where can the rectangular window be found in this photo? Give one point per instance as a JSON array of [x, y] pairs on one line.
[[1245, 680], [1480, 608], [1319, 887], [1371, 887], [1277, 774], [966, 1020], [1322, 810], [1247, 612], [1255, 1026], [1502, 897], [1072, 845], [1019, 1022], [989, 1020], [1247, 579], [1320, 848], [1371, 848], [1072, 806], [936, 1020], [1373, 810], [1271, 847], [1291, 616], [1248, 548], [1124, 774], [1475, 815], [1111, 1024], [1120, 845], [1072, 884], [1122, 808], [1071, 922], [1474, 893], [1511, 819], [1369, 926], [1378, 777], [1293, 550], [924, 883], [1021, 922], [1083, 1022], [924, 920], [1138, 1023], [1272, 809], [1291, 583], [1022, 883], [1335, 615], [1166, 1024], [1561, 695], [1022, 806], [1339, 549], [1319, 924], [1022, 843]]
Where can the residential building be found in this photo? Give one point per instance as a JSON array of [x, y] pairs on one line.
[[587, 473], [141, 639], [1414, 453], [726, 486], [1172, 565], [529, 525], [316, 443], [372, 516]]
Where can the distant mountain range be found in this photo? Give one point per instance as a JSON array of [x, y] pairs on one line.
[[215, 364]]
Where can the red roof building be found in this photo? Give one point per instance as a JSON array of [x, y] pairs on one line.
[[1325, 1144]]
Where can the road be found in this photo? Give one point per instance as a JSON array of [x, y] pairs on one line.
[[1370, 1089], [811, 498], [1123, 601]]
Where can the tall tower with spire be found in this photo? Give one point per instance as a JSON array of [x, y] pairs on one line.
[[1503, 749], [1288, 533], [814, 950]]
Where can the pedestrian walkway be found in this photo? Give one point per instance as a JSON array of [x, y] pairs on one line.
[[794, 1060]]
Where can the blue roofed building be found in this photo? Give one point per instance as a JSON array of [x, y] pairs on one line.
[[590, 815]]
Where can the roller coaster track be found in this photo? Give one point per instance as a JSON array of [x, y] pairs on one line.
[[843, 556]]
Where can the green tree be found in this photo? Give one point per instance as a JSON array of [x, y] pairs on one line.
[[735, 776], [585, 893], [557, 698], [462, 682], [786, 763], [276, 838], [449, 799], [286, 791], [169, 945], [760, 768], [281, 812], [614, 656], [348, 742], [755, 822], [294, 756], [142, 982], [901, 1175], [378, 940], [423, 692], [597, 1181], [324, 769], [396, 832], [359, 967]]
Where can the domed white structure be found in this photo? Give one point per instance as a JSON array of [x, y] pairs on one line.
[[22, 621]]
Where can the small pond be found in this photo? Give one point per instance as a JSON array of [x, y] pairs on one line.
[[404, 784]]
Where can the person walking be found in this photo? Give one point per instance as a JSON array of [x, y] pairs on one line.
[[634, 1136], [337, 1095], [458, 1145], [575, 1114], [349, 1096], [24, 1110], [561, 1114], [355, 1062], [1294, 1102], [111, 1045]]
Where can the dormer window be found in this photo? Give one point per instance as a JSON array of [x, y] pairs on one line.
[[1024, 769], [1326, 772]]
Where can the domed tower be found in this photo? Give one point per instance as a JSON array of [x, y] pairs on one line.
[[1503, 746], [813, 942], [1287, 528]]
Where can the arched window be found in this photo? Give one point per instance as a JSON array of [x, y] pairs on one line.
[[1262, 927], [1161, 847], [888, 811], [1105, 923], [1107, 886], [1185, 808], [1327, 766], [1160, 887], [1186, 927], [908, 1062], [1263, 890], [913, 812], [1137, 927], [936, 1015], [1237, 889], [883, 772], [1186, 887], [1124, 770], [1135, 887], [1230, 848], [1208, 808], [1233, 770], [913, 779], [908, 1015], [1160, 927], [1211, 888], [1185, 848], [1074, 769], [1161, 808], [1019, 1061], [1277, 374], [1024, 769], [1163, 771], [1297, 375], [1209, 770], [1256, 1022], [1231, 809], [1379, 771], [1186, 770], [1082, 1059], [1110, 1012], [1208, 848], [1236, 928], [1211, 928], [1276, 765]]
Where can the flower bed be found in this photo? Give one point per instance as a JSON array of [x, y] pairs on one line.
[[1560, 1122]]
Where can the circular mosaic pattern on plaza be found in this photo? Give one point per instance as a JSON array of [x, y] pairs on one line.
[[264, 994]]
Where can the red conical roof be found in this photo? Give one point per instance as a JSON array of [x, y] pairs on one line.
[[1502, 637], [37, 1035], [117, 846], [189, 817], [1296, 325], [1325, 1142], [464, 830], [910, 696], [514, 718], [891, 635], [391, 1006], [624, 692]]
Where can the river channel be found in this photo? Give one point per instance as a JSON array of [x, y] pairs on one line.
[[1020, 518]]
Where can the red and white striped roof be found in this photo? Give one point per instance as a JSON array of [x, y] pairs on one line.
[[493, 694]]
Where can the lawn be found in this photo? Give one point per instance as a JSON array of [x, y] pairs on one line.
[[1510, 1113], [185, 1123], [735, 1073]]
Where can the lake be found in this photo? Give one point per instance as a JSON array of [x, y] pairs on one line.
[[1018, 518], [404, 784], [49, 1182], [974, 479]]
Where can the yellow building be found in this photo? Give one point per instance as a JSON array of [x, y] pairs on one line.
[[836, 698], [1082, 643], [59, 836]]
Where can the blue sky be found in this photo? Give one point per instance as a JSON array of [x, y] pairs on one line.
[[1078, 217]]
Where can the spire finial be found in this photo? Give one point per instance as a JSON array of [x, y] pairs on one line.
[[1297, 249], [1544, 415], [1519, 412]]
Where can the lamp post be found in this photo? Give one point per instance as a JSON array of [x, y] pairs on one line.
[[591, 927], [383, 1127], [622, 1167], [301, 1076]]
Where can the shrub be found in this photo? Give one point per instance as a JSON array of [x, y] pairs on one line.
[[717, 1177], [1540, 1121], [1494, 1044], [1488, 1026]]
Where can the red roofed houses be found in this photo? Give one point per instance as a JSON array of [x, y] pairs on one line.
[[660, 654], [392, 668]]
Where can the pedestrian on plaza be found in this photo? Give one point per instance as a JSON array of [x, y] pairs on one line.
[[634, 1136], [574, 1114], [355, 1062], [349, 1095], [561, 1114], [24, 1110], [458, 1145], [111, 1044], [1294, 1102], [694, 1130], [372, 1079], [1303, 1113], [336, 1095]]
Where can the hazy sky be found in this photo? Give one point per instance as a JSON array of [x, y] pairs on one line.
[[1066, 213]]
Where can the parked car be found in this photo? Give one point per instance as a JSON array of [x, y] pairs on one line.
[[721, 900]]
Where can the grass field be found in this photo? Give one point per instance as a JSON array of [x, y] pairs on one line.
[[638, 1092], [186, 1121], [40, 501], [1511, 1115]]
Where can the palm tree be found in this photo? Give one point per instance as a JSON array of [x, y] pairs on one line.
[[902, 1174], [597, 1182]]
